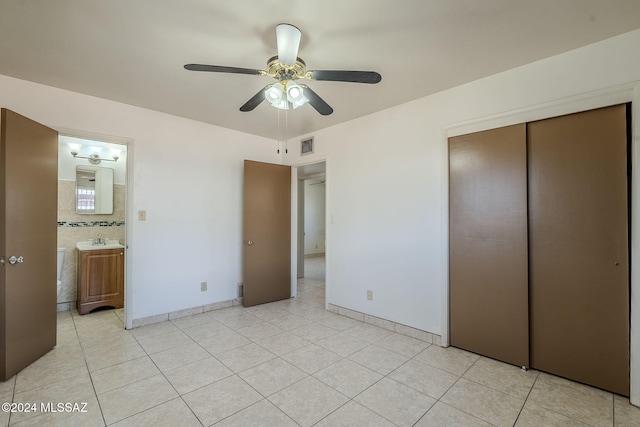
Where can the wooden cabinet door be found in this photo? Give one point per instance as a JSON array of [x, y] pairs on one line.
[[488, 244], [100, 279]]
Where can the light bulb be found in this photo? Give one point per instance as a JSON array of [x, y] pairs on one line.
[[273, 93], [294, 92]]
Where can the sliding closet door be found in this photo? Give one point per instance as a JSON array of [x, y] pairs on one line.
[[578, 234], [488, 244]]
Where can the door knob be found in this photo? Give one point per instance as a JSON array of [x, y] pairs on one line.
[[14, 260], [250, 242]]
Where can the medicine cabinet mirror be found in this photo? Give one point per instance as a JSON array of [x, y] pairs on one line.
[[94, 190]]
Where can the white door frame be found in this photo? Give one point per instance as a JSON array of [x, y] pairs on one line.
[[295, 226], [129, 144]]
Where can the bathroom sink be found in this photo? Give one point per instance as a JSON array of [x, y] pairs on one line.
[[88, 245]]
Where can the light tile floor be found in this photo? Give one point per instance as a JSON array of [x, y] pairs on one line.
[[288, 363]]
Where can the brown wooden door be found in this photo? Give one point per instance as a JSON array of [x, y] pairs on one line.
[[578, 249], [488, 244], [28, 231], [267, 232]]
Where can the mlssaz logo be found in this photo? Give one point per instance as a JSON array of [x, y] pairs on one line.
[[63, 407]]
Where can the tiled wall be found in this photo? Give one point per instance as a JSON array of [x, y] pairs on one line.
[[73, 228]]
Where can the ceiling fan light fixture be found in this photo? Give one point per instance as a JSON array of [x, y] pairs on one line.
[[300, 102], [273, 94], [276, 96], [286, 67], [295, 95], [294, 92], [282, 105], [288, 39]]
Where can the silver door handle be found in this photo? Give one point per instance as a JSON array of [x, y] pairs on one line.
[[250, 242], [14, 260]]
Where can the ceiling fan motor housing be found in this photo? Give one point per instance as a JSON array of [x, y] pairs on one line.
[[282, 72]]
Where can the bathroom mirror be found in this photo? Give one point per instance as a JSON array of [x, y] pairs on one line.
[[94, 190]]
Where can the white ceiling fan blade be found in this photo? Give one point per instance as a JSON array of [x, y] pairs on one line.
[[288, 40]]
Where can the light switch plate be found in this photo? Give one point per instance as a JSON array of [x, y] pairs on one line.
[[142, 215]]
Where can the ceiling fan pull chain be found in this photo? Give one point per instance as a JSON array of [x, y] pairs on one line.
[[286, 131], [278, 132]]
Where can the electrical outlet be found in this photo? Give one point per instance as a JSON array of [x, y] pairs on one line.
[[203, 286], [142, 215], [370, 295]]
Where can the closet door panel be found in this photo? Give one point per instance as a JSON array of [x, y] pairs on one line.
[[488, 244], [578, 247]]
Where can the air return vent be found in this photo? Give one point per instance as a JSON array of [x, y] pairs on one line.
[[306, 146]]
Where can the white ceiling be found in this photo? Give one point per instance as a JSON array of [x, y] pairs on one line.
[[133, 51]]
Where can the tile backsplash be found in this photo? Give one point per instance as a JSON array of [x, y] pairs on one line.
[[73, 228]]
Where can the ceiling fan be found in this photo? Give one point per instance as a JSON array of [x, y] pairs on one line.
[[286, 68]]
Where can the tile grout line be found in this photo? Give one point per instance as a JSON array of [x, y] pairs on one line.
[[234, 373], [166, 379], [179, 396], [84, 356], [237, 374], [453, 385], [307, 375], [13, 393], [556, 412], [527, 398]]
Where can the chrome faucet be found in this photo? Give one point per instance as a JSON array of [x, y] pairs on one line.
[[99, 240]]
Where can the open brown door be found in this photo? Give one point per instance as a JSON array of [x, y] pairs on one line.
[[28, 240], [578, 249], [267, 232], [488, 286]]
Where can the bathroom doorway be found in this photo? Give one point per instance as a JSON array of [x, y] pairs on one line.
[[80, 220]]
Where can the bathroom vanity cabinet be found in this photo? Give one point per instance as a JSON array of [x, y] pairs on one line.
[[100, 279]]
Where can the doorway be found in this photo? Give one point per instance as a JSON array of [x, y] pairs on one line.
[[75, 226], [311, 254]]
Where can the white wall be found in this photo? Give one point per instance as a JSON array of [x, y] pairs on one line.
[[387, 178], [314, 216], [187, 175]]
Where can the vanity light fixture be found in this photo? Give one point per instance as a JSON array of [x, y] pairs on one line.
[[94, 158]]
